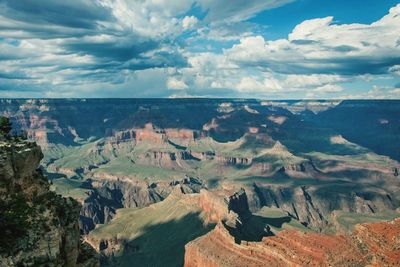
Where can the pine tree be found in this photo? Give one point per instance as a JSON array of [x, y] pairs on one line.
[[5, 126]]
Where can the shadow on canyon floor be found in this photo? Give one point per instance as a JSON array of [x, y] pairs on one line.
[[160, 244]]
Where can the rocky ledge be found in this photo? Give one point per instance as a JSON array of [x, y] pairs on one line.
[[39, 228], [374, 244]]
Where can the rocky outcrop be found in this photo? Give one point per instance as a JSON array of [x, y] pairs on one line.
[[238, 203], [154, 235], [312, 206], [169, 160], [303, 167], [150, 134], [370, 245], [213, 205], [208, 155], [39, 227], [233, 160], [107, 196]]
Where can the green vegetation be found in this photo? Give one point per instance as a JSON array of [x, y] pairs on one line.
[[5, 131], [14, 219], [5, 126], [347, 220], [69, 188], [126, 168]]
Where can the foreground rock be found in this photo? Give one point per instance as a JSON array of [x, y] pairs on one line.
[[39, 228], [370, 245]]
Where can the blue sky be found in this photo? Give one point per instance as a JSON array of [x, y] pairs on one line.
[[273, 49], [280, 24]]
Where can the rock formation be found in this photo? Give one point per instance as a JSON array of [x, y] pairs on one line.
[[107, 196], [39, 228], [154, 235], [243, 239], [312, 206], [370, 245]]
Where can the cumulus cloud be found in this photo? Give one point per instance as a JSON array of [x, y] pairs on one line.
[[321, 46], [156, 48], [251, 84], [189, 22], [60, 44], [312, 80], [174, 83], [395, 70]]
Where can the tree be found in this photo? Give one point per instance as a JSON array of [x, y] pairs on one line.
[[5, 126]]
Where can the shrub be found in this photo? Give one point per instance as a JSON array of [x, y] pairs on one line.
[[14, 219], [5, 126]]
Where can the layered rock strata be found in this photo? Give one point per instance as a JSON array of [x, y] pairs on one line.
[[370, 245]]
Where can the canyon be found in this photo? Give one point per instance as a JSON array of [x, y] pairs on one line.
[[245, 174]]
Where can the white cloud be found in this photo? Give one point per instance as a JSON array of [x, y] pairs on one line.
[[174, 83], [226, 32], [106, 41], [313, 80], [396, 92], [238, 10], [377, 92], [395, 70], [329, 88], [188, 22], [129, 48], [320, 46], [251, 84]]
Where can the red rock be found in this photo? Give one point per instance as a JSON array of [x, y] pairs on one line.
[[374, 244]]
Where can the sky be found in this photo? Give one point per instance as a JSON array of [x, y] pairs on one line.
[[269, 49]]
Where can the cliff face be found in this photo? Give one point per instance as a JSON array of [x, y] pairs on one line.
[[244, 239], [154, 235], [370, 245], [108, 196], [39, 227], [312, 206]]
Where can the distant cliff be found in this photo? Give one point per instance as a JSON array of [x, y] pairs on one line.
[[39, 228]]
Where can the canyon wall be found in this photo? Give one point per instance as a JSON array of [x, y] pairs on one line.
[[106, 196], [39, 227], [370, 245]]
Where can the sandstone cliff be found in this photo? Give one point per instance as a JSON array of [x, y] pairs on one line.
[[39, 228], [370, 245]]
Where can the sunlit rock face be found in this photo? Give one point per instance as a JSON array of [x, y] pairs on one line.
[[370, 244], [235, 242]]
